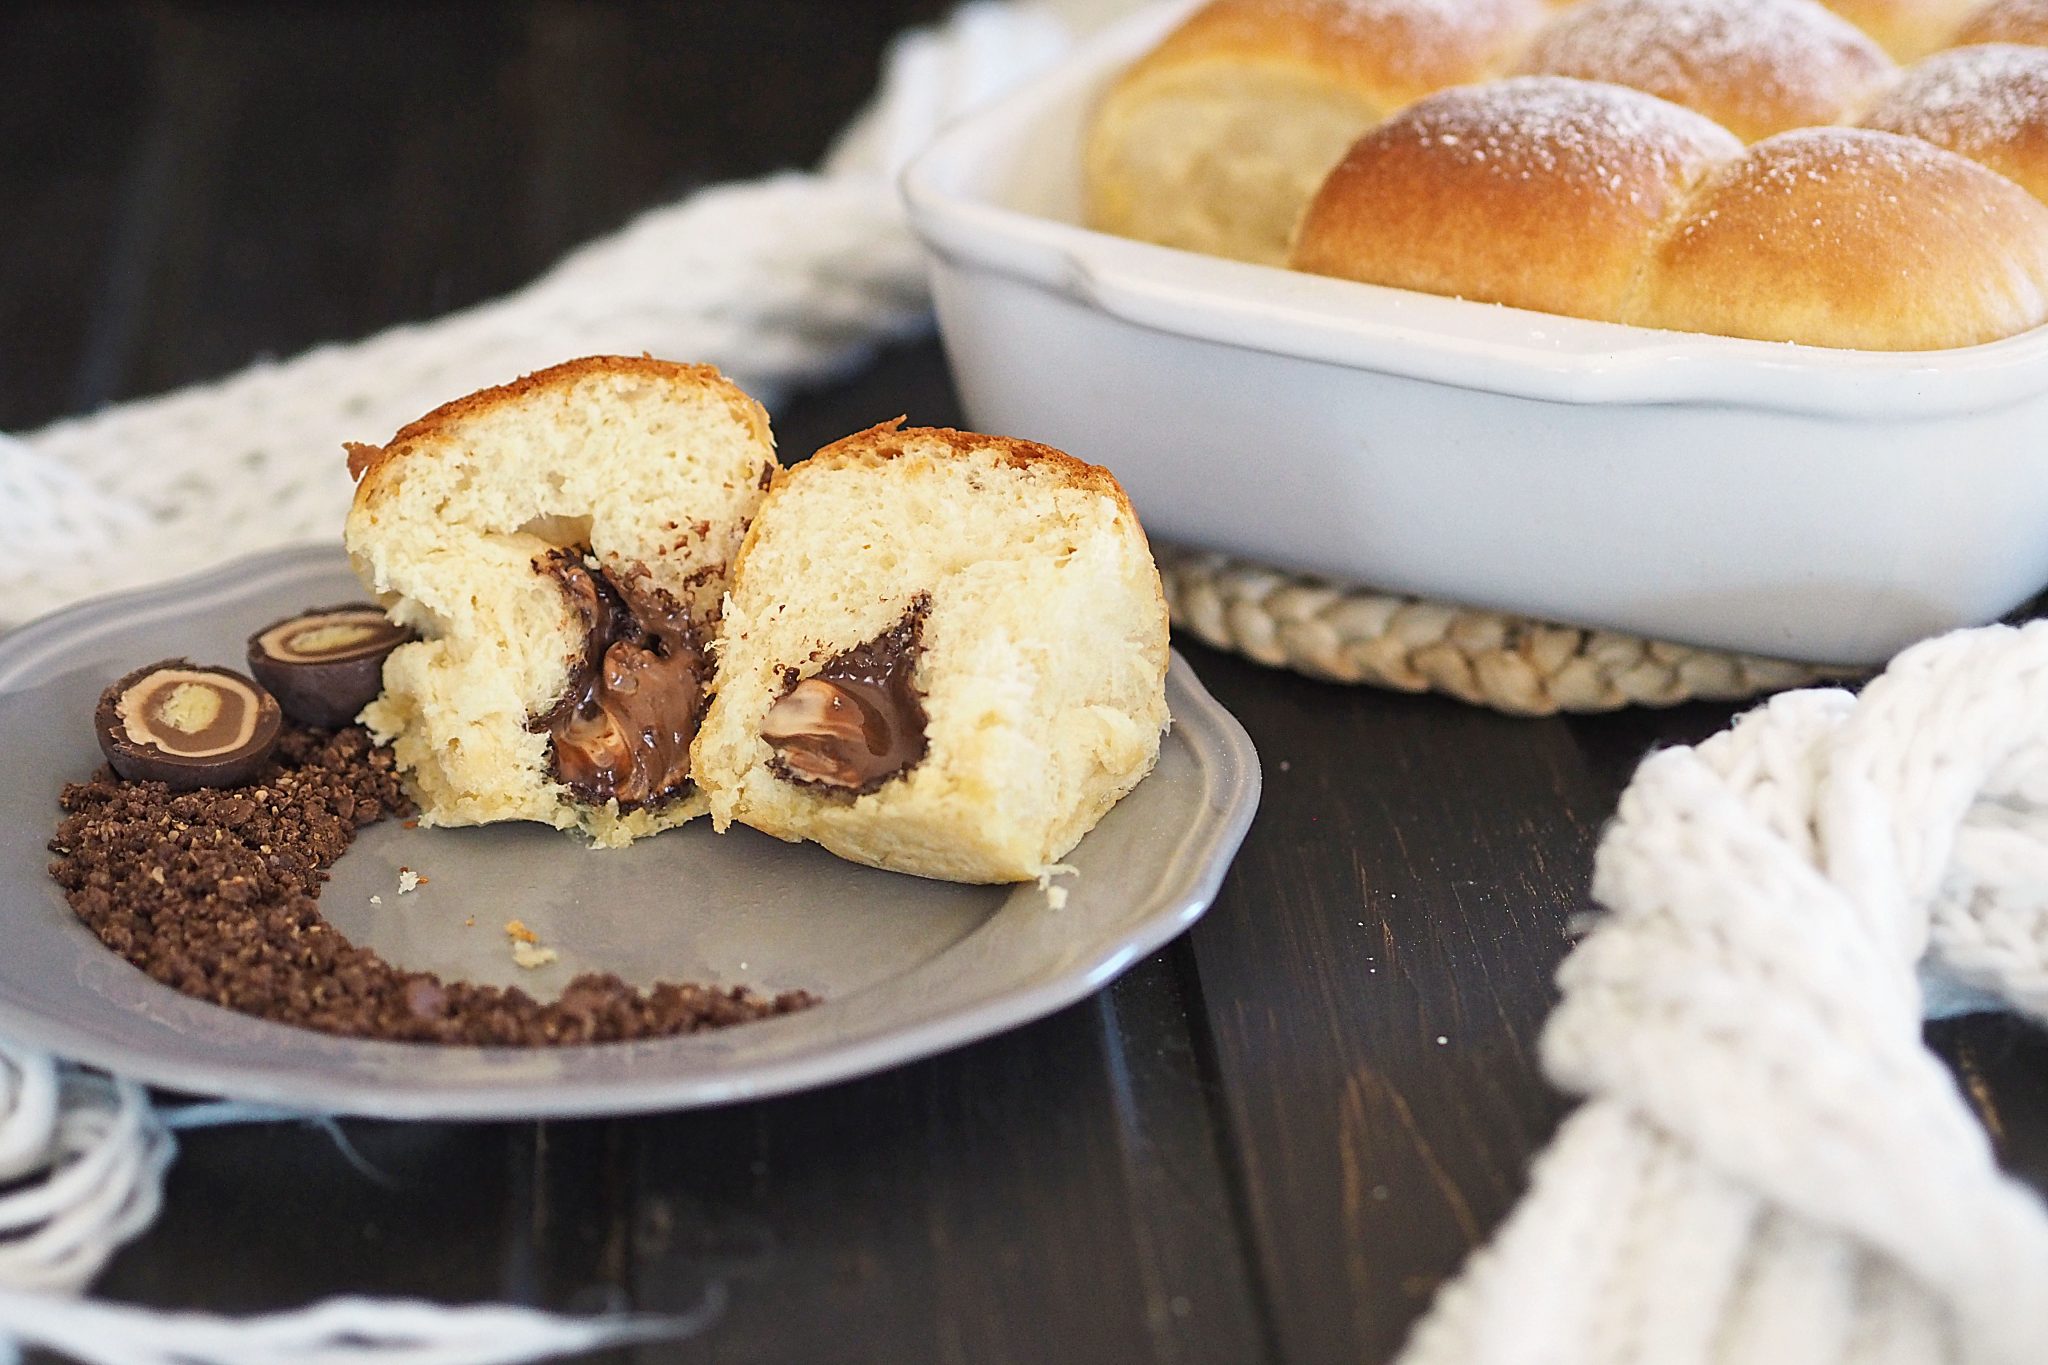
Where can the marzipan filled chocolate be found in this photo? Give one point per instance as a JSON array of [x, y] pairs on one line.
[[857, 722], [186, 726], [623, 728], [327, 663]]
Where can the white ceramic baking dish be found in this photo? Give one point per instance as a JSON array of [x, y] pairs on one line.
[[1787, 500]]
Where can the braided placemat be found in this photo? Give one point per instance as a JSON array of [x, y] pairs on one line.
[[1352, 634]]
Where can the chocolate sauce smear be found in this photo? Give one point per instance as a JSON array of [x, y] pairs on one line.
[[622, 729], [857, 722]]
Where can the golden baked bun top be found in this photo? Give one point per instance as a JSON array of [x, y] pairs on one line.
[[1215, 140], [1756, 67], [1387, 52], [1852, 238], [1907, 28], [1537, 191], [2006, 21], [1987, 103], [1231, 138]]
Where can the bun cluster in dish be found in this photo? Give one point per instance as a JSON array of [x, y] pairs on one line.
[[932, 651], [1753, 168]]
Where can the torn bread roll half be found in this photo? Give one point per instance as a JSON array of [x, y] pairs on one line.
[[562, 546], [943, 654]]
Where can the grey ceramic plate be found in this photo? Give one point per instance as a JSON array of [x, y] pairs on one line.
[[907, 967]]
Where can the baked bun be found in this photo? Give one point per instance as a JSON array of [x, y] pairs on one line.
[[1601, 202], [944, 654], [561, 544], [1550, 190], [1215, 140], [2006, 21], [1987, 103], [1756, 67], [1852, 238], [1907, 28], [1538, 191]]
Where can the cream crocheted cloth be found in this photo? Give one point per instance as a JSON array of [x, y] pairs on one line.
[[1770, 1165]]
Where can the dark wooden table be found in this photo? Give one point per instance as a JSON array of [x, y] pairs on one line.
[[1268, 1143]]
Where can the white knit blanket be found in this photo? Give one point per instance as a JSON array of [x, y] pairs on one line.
[[1769, 1168]]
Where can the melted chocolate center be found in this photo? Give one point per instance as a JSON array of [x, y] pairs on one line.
[[622, 729], [857, 722]]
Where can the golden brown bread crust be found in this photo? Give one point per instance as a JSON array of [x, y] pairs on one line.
[[1600, 202], [368, 464], [1906, 28], [886, 440], [2006, 21], [1988, 103], [1215, 140], [1756, 67], [1564, 200], [1852, 238], [1387, 52], [1538, 192]]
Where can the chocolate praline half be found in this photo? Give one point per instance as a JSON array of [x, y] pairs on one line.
[[326, 664], [187, 726]]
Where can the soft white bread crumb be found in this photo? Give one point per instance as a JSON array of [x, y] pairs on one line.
[[1043, 655], [646, 462]]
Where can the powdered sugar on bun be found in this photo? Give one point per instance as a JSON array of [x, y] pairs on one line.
[[1757, 67], [1216, 139], [1422, 45], [1906, 28], [2006, 21], [1987, 103], [1852, 238], [1560, 188], [1575, 130], [1538, 191]]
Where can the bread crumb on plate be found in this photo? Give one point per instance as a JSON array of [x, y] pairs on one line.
[[530, 957]]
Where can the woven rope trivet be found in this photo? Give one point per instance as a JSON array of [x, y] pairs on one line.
[[1510, 663]]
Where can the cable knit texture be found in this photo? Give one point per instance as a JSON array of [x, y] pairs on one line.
[[1770, 1166]]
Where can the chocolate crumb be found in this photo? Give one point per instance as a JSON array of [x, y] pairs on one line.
[[214, 893]]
